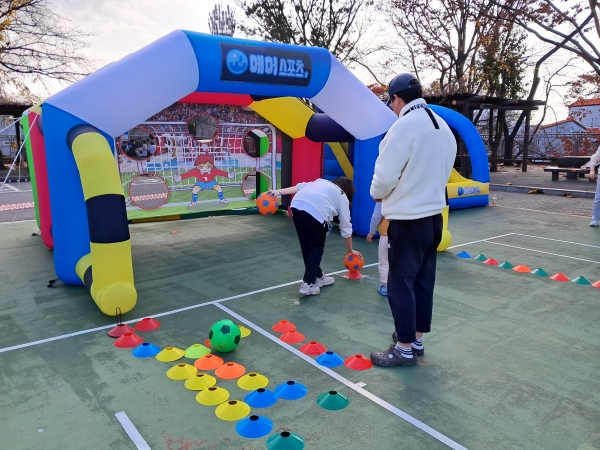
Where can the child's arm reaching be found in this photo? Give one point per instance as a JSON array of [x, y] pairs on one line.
[[375, 221]]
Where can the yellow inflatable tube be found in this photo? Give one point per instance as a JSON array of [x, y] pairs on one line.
[[107, 270]]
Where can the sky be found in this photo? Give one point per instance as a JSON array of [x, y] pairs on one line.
[[121, 27]]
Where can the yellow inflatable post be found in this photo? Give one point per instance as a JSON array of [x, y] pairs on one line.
[[107, 270], [446, 236]]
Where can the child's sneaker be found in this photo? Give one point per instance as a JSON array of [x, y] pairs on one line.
[[224, 201], [325, 280], [382, 290], [192, 204], [309, 289]]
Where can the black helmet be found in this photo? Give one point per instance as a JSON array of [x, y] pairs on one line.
[[401, 83]]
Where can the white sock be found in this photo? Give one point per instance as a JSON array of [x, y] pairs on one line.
[[418, 344], [406, 352]]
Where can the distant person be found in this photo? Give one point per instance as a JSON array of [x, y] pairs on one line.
[[594, 161], [313, 208], [130, 150], [152, 148], [142, 151], [410, 176], [378, 223]]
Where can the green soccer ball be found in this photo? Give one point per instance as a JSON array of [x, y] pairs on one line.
[[224, 336]]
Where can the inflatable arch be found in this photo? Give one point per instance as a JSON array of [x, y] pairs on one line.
[[84, 215]]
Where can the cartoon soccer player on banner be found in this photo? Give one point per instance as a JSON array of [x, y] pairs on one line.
[[205, 173]]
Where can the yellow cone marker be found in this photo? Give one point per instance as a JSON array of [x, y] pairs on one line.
[[170, 354], [212, 396], [200, 381], [181, 371], [245, 331], [232, 410], [253, 381]]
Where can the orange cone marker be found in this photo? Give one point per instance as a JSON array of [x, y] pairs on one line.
[[208, 362], [230, 370]]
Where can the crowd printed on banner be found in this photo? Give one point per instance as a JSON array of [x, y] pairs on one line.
[[15, 206], [139, 198]]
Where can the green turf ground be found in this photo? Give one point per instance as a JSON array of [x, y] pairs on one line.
[[511, 363]]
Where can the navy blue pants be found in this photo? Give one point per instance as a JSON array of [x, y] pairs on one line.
[[311, 235], [412, 257]]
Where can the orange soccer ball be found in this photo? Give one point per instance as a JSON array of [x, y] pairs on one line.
[[267, 204], [353, 262]]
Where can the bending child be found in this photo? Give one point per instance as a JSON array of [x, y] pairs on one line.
[[313, 208], [378, 221]]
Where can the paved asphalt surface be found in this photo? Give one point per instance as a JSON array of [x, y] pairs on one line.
[[20, 193], [15, 194]]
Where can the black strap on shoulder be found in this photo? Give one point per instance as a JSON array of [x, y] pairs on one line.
[[435, 124], [424, 106]]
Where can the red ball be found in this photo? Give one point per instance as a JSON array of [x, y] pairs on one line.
[[353, 262], [267, 204]]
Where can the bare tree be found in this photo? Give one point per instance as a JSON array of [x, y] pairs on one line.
[[466, 47], [573, 26], [568, 24], [338, 25], [563, 43], [37, 44]]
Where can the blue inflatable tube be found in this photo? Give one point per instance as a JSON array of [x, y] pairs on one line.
[[468, 202], [365, 155], [469, 134]]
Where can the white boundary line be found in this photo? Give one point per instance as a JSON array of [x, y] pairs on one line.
[[546, 253], [10, 188], [480, 240], [132, 431], [545, 212], [355, 386], [167, 313], [16, 221], [556, 240], [187, 308]]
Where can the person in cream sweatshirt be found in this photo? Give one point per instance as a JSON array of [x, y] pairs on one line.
[[411, 172]]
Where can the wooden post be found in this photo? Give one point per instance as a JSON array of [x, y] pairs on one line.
[[508, 142], [492, 142], [526, 143], [465, 160], [18, 135]]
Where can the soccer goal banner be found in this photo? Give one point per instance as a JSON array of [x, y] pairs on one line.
[[192, 158]]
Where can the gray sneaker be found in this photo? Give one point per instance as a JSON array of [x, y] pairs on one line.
[[391, 357], [416, 351], [309, 289], [594, 223], [325, 280]]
